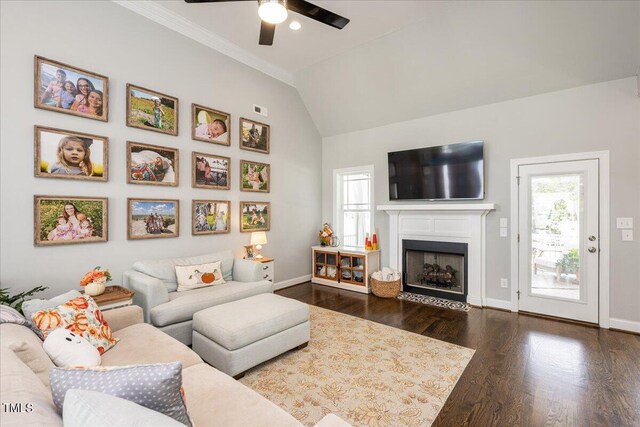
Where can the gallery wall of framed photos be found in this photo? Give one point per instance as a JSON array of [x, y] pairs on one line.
[[146, 156]]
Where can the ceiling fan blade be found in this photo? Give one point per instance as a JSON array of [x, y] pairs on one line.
[[316, 12], [267, 31], [212, 1]]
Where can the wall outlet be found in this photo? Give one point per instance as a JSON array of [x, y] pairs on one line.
[[504, 232], [504, 223], [627, 235], [504, 283], [624, 222]]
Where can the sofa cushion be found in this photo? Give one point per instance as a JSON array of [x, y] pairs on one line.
[[239, 323], [90, 408], [164, 269], [183, 305], [11, 315], [214, 396], [144, 344], [19, 385], [32, 306], [197, 276], [28, 348]]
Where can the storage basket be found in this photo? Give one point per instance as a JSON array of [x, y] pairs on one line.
[[385, 289]]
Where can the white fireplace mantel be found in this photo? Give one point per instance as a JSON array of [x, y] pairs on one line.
[[447, 222]]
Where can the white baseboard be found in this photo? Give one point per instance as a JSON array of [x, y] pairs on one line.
[[497, 303], [624, 325], [291, 282]]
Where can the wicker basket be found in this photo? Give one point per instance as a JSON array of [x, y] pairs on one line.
[[385, 289]]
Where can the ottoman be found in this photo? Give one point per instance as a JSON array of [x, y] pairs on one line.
[[239, 335]]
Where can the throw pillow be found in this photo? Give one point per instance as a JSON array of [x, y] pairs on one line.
[[34, 305], [80, 315], [68, 349], [91, 408], [198, 276], [157, 386], [11, 315]]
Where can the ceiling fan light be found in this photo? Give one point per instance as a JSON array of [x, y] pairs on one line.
[[273, 11], [295, 25]]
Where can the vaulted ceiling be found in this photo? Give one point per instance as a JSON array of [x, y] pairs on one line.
[[400, 60]]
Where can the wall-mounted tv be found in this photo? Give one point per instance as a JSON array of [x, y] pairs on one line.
[[446, 172]]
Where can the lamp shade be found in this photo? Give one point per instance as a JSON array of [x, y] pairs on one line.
[[258, 238]]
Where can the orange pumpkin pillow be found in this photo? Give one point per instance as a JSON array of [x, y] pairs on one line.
[[198, 276], [81, 316]]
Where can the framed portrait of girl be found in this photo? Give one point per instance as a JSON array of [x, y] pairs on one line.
[[254, 136], [151, 110], [210, 171], [209, 125], [255, 216], [62, 220], [255, 177], [152, 164], [210, 217], [68, 154], [71, 90]]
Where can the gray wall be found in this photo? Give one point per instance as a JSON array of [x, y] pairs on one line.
[[108, 39], [603, 116]]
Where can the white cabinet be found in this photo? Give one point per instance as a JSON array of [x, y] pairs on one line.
[[267, 268]]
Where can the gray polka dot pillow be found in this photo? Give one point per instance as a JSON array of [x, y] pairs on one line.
[[157, 386]]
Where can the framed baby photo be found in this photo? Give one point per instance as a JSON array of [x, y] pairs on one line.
[[66, 154], [71, 90], [152, 164], [151, 110], [210, 217], [255, 216], [210, 171], [255, 176], [254, 136], [152, 218], [209, 125], [63, 220]]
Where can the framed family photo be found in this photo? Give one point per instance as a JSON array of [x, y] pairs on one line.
[[71, 90], [254, 136], [210, 217], [255, 216], [209, 125], [65, 154], [152, 218], [152, 164], [151, 110], [255, 176], [210, 171], [63, 220]]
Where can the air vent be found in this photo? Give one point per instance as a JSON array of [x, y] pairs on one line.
[[260, 110]]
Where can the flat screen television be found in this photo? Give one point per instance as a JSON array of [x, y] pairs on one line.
[[447, 172]]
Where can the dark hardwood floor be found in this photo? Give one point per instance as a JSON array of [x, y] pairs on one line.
[[526, 371]]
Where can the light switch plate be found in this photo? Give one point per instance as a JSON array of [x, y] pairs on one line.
[[625, 223], [504, 222], [504, 232], [504, 283], [627, 235]]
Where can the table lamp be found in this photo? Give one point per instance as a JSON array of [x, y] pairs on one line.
[[258, 238]]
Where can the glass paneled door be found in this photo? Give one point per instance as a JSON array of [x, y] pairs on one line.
[[558, 233]]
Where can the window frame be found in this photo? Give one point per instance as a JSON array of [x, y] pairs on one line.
[[338, 207]]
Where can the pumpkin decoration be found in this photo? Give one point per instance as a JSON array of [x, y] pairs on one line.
[[79, 303], [204, 277], [47, 320]]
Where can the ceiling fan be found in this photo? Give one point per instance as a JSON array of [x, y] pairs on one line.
[[273, 12]]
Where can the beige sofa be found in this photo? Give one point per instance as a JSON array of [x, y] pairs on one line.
[[213, 398]]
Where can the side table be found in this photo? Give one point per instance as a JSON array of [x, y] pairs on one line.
[[114, 296]]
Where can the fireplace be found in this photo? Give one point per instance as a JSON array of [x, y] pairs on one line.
[[437, 269]]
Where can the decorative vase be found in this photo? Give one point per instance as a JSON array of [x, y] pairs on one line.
[[94, 289]]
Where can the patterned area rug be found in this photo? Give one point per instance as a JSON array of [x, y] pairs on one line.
[[367, 373], [439, 302]]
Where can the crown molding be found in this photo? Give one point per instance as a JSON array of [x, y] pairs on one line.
[[163, 16]]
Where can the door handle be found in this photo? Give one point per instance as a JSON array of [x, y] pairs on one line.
[[592, 238], [592, 249]]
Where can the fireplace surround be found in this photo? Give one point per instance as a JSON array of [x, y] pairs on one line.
[[442, 222]]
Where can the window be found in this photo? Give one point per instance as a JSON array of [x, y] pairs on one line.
[[353, 204]]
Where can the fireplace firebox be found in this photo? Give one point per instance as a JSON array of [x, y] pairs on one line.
[[437, 269]]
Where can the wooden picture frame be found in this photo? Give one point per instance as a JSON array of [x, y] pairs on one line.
[[142, 114], [56, 223], [58, 154], [207, 122], [143, 224], [204, 221], [210, 171], [153, 165], [260, 141], [52, 92], [255, 177], [262, 219]]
